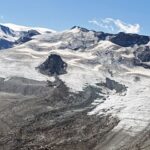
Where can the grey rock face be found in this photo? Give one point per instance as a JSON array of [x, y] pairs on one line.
[[4, 42], [54, 65], [113, 85], [143, 54], [142, 57], [126, 40]]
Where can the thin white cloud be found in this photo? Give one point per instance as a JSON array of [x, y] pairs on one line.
[[1, 18], [116, 25]]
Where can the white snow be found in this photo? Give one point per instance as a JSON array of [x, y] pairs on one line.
[[21, 62], [105, 45], [25, 28]]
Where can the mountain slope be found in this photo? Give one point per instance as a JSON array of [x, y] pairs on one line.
[[100, 100]]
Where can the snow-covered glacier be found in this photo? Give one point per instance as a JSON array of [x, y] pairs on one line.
[[100, 102]]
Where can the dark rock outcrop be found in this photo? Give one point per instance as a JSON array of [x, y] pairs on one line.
[[142, 57], [113, 85], [4, 44], [7, 30], [102, 35], [126, 40], [137, 62], [143, 54], [54, 65], [27, 36], [4, 40]]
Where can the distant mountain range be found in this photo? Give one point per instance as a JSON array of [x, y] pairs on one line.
[[11, 34]]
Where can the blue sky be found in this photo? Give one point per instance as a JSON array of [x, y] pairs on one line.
[[63, 14]]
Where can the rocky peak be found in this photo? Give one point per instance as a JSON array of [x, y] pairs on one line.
[[54, 65], [80, 28], [127, 40]]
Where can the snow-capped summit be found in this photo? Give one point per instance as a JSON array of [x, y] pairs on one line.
[[25, 28], [11, 34]]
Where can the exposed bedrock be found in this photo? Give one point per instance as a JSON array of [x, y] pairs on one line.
[[113, 85], [54, 65], [142, 57], [26, 36], [126, 40]]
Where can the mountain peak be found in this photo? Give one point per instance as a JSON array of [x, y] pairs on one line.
[[80, 28]]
